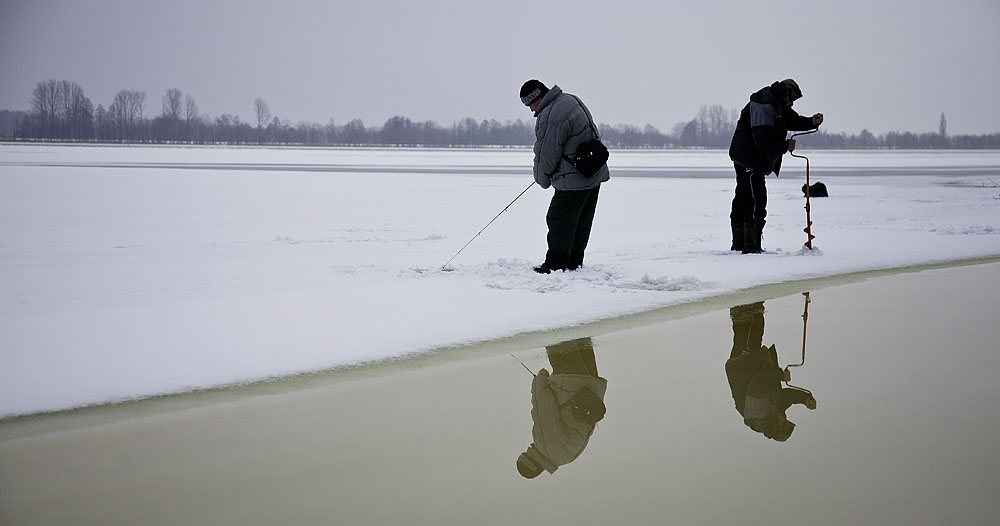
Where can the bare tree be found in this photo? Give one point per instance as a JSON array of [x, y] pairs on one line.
[[138, 102], [190, 109], [354, 132], [118, 114], [263, 114], [59, 109], [126, 112], [102, 124], [172, 105], [167, 126], [191, 119], [78, 112], [45, 105], [713, 126]]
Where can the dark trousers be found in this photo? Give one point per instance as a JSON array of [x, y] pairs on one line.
[[750, 203], [748, 328], [573, 357], [570, 217]]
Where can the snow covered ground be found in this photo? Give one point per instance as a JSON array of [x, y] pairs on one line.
[[133, 271]]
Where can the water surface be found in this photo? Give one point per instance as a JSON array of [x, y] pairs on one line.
[[903, 370]]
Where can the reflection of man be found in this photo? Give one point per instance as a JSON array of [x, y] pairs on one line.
[[755, 377], [565, 407]]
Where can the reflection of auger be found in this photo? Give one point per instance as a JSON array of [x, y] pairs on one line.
[[805, 320], [808, 229]]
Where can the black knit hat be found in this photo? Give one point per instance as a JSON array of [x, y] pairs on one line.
[[531, 91], [528, 467]]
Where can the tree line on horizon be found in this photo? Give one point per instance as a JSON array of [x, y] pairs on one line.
[[60, 111]]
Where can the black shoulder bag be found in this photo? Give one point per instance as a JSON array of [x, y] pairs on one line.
[[587, 406], [591, 155]]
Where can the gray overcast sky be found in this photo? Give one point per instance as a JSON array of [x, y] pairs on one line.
[[881, 65]]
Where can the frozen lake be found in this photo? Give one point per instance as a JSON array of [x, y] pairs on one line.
[[130, 272]]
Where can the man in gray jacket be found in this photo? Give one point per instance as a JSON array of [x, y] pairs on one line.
[[563, 124]]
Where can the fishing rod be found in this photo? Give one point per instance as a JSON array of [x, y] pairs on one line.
[[808, 228], [522, 365], [445, 266]]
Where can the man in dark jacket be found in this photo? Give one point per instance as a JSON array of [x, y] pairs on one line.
[[756, 150], [563, 124]]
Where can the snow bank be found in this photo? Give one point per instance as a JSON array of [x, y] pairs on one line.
[[133, 271]]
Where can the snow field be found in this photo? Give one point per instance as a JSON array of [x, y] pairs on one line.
[[120, 279]]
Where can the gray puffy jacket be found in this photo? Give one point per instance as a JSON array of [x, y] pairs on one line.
[[558, 435], [563, 125]]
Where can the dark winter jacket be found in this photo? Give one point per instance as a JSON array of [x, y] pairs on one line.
[[563, 125], [755, 382], [559, 436], [759, 140]]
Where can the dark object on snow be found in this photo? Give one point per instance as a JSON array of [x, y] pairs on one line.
[[816, 190]]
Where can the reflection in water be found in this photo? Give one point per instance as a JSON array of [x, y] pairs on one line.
[[755, 376], [565, 407]]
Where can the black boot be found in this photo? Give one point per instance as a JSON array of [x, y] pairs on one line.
[[575, 261], [751, 239], [543, 269], [737, 236], [759, 234], [553, 261]]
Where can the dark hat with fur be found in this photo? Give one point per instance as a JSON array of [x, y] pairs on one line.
[[786, 91]]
